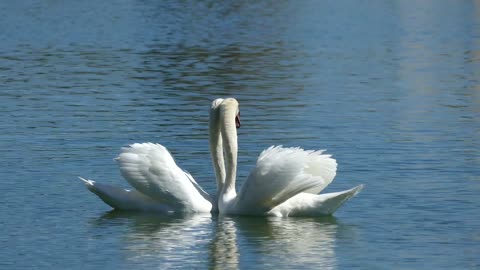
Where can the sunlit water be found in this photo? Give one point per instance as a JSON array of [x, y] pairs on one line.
[[390, 88]]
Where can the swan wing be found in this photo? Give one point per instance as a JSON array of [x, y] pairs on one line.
[[151, 170], [282, 173]]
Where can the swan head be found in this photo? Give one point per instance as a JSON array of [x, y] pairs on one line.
[[231, 104]]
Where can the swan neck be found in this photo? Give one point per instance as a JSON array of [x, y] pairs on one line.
[[216, 147], [229, 137]]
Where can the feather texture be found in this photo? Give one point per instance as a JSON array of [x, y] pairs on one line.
[[284, 182], [125, 199], [280, 174], [313, 205], [151, 170]]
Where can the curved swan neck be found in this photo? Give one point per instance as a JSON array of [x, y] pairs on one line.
[[216, 146], [228, 112]]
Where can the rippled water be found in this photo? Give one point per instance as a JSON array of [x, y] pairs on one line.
[[390, 88]]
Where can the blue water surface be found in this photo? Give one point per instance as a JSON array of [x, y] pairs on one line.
[[390, 88]]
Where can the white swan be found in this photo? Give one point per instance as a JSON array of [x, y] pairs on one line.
[[285, 181], [160, 185]]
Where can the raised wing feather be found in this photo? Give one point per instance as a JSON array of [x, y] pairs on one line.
[[151, 170], [282, 173]]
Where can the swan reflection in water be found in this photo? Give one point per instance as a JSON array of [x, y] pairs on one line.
[[224, 242], [161, 241]]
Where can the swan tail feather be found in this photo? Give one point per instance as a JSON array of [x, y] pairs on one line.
[[306, 204], [124, 199], [87, 182]]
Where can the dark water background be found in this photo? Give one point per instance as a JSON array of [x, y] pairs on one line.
[[390, 88]]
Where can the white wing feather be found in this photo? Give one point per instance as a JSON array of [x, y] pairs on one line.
[[313, 205], [151, 170], [124, 199], [282, 173]]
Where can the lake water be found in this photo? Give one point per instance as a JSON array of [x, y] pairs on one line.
[[390, 88]]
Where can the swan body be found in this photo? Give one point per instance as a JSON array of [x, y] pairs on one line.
[[280, 174], [159, 184], [151, 170], [284, 182]]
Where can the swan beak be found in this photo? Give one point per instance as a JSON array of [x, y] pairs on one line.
[[237, 121]]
